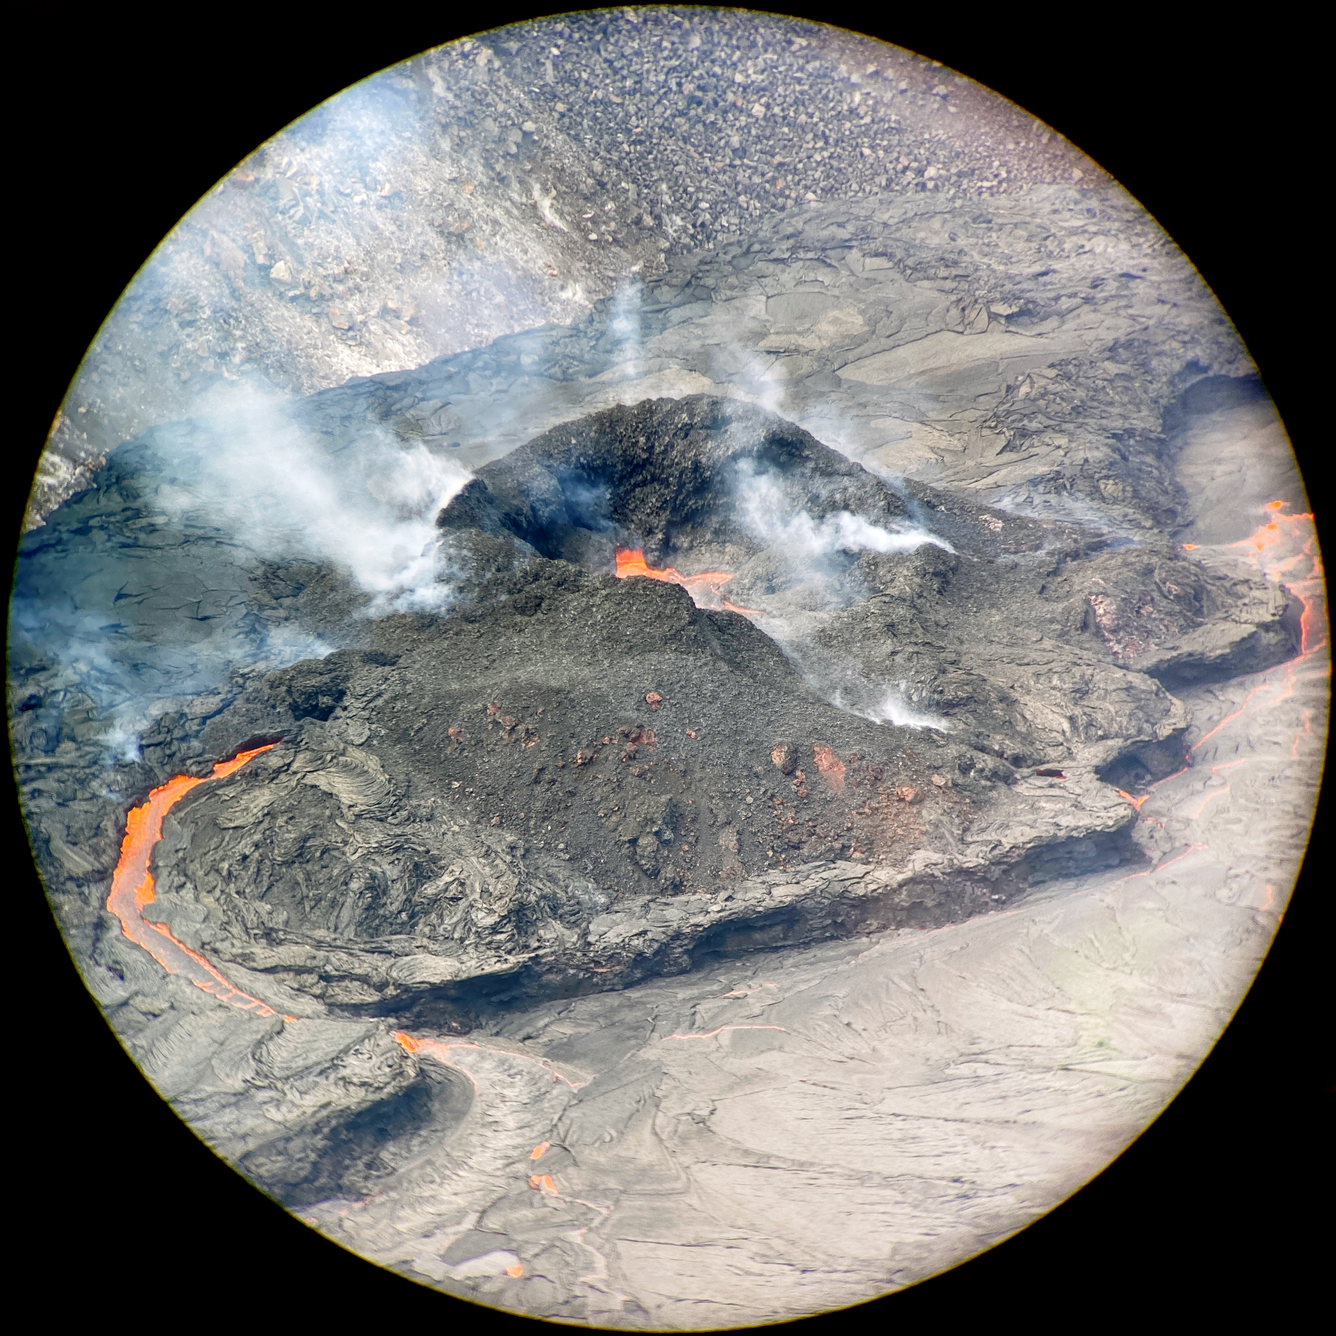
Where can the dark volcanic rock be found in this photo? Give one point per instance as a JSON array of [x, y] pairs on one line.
[[503, 798], [667, 475], [571, 780], [575, 780], [1057, 654], [1164, 615]]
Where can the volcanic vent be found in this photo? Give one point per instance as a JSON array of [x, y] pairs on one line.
[[811, 704]]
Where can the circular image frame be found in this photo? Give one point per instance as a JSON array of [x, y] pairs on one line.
[[1299, 899]]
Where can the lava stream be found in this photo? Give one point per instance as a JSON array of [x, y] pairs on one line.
[[440, 1049], [1282, 548], [1136, 802], [703, 588], [132, 889]]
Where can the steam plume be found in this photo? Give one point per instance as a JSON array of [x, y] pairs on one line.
[[769, 513], [893, 709], [368, 507], [244, 483]]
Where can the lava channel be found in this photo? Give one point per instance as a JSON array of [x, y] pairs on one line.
[[132, 889], [1285, 550], [703, 588]]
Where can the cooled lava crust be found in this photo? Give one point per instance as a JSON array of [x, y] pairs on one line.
[[573, 781]]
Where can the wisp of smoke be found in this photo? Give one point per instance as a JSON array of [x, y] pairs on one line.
[[768, 510], [892, 709], [624, 328], [132, 629], [368, 507], [771, 516]]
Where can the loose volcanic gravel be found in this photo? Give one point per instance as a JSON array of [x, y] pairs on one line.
[[713, 117]]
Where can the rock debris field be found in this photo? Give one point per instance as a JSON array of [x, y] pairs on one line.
[[500, 183], [754, 779]]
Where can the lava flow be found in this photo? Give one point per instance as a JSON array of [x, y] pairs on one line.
[[440, 1049], [703, 588], [1285, 549], [132, 889]]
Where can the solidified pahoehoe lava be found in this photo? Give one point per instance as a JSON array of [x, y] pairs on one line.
[[572, 781], [671, 683]]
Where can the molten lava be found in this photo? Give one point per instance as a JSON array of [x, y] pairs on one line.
[[441, 1049], [703, 588], [1285, 549], [1136, 802], [132, 888], [631, 561]]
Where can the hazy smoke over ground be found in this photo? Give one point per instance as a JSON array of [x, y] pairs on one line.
[[812, 547], [624, 328], [368, 507], [241, 485], [893, 709]]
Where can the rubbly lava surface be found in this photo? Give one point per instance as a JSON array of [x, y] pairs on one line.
[[590, 770]]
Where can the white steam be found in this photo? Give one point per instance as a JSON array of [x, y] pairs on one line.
[[893, 709], [768, 509], [624, 330], [770, 515], [368, 507], [242, 483]]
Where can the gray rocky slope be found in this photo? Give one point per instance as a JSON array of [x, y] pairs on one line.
[[514, 179], [155, 634]]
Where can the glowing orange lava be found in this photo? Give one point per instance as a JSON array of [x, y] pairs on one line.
[[703, 588], [132, 889], [1193, 848], [440, 1049], [1208, 799], [443, 1051], [1285, 549]]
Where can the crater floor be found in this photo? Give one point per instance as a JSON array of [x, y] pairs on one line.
[[596, 1090]]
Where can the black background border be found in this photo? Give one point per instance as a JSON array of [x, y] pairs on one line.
[[119, 126]]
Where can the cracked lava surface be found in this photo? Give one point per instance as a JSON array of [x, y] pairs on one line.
[[737, 1136]]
